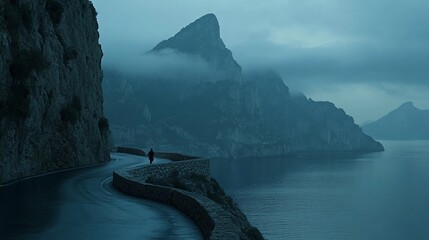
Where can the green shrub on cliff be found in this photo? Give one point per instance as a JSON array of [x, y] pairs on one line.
[[72, 111], [18, 102], [25, 62], [70, 54], [13, 17], [103, 124], [17, 16], [26, 16], [55, 10]]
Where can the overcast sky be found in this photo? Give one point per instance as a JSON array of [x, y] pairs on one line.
[[366, 56]]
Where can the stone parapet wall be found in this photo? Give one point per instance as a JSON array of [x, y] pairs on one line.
[[139, 152], [133, 151], [212, 220], [169, 196], [162, 170]]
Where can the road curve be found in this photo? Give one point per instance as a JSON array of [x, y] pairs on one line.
[[82, 204]]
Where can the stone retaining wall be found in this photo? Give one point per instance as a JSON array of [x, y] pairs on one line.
[[174, 156], [170, 196], [212, 220]]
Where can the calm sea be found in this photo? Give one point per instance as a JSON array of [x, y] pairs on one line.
[[370, 196]]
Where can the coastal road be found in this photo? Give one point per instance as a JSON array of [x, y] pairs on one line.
[[83, 205]]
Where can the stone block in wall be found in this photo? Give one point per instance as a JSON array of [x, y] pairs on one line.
[[133, 151]]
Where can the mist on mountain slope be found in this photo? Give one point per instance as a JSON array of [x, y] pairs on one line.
[[233, 114], [367, 57]]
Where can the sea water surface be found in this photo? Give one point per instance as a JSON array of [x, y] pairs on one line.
[[343, 196]]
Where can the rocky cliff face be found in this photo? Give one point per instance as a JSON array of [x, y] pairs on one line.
[[202, 38], [250, 115], [51, 102], [404, 123]]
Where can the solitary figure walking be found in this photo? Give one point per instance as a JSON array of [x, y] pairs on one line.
[[151, 154]]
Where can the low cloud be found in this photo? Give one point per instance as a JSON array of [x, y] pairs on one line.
[[300, 37], [332, 45], [370, 102], [167, 64]]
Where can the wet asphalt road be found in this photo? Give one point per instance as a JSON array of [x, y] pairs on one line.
[[82, 204]]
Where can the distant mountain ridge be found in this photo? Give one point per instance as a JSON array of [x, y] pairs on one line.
[[234, 115], [404, 123]]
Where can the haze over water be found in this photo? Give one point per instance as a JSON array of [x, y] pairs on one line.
[[371, 196]]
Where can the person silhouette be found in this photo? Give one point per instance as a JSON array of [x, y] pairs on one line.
[[151, 154]]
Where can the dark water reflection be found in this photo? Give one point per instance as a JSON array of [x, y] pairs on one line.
[[371, 196]]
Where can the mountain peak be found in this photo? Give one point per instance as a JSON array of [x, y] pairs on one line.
[[407, 106], [209, 19], [202, 33], [202, 38], [404, 123]]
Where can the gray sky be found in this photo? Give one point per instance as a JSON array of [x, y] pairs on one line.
[[366, 56]]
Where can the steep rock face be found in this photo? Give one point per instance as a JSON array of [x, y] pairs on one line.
[[404, 123], [320, 126], [202, 38], [51, 100], [255, 116], [220, 118]]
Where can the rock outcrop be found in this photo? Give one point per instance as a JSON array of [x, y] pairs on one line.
[[250, 115], [404, 123], [51, 101]]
